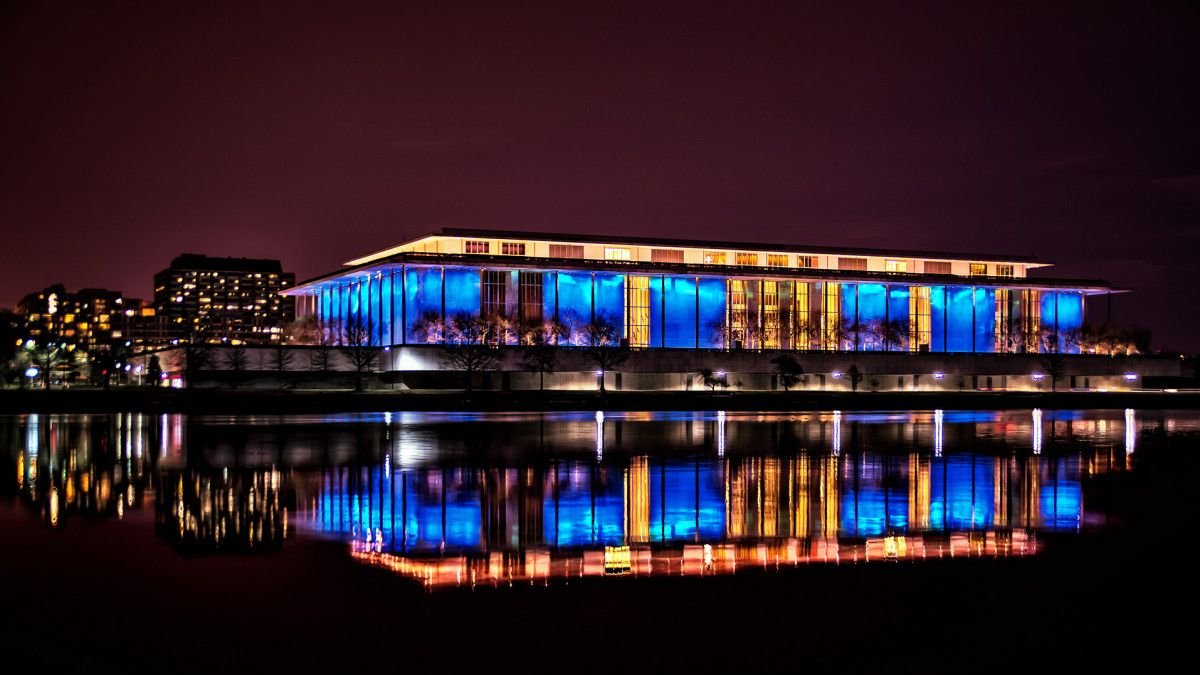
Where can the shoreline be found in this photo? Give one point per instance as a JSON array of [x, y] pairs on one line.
[[223, 401]]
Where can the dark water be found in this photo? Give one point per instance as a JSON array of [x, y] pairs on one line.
[[593, 541], [468, 499]]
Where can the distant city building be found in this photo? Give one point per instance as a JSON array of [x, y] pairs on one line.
[[89, 317], [223, 299]]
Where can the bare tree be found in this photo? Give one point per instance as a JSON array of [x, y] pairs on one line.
[[604, 349], [197, 352], [323, 340], [429, 328], [358, 350], [281, 359], [236, 360], [539, 353], [469, 346], [1054, 365]]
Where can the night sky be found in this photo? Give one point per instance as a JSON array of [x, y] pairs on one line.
[[132, 132]]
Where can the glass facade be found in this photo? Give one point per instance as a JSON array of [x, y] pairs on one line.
[[410, 304]]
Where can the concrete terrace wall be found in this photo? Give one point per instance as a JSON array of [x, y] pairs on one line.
[[420, 367]]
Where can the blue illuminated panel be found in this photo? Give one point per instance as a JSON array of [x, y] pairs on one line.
[[610, 297], [961, 493], [712, 313], [1060, 500], [680, 296], [937, 318], [384, 298], [656, 311], [985, 320], [573, 516], [462, 291], [686, 500], [575, 303], [871, 315], [959, 310], [873, 510], [1062, 313], [424, 512], [423, 297]]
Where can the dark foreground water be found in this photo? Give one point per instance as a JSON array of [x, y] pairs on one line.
[[571, 541]]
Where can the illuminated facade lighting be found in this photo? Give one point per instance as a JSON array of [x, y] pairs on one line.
[[702, 295]]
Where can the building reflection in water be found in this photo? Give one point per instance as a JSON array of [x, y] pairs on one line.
[[493, 498], [648, 513]]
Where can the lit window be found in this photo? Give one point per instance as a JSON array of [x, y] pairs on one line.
[[616, 254], [1004, 270], [512, 248], [937, 267], [806, 261], [896, 266], [855, 264], [476, 246], [714, 257], [746, 258], [978, 269], [777, 260], [667, 255]]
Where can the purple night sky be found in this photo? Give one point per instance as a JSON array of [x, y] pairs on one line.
[[315, 132]]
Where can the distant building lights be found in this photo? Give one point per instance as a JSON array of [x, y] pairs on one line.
[[719, 373], [939, 375], [837, 374], [31, 372], [599, 373], [1037, 377], [1130, 377]]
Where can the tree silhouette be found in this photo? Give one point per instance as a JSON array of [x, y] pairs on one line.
[[357, 349], [539, 353], [788, 369], [855, 377], [469, 346], [713, 380], [604, 349], [1054, 365]]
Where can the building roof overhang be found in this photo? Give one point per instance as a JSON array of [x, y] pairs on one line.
[[558, 237], [360, 271]]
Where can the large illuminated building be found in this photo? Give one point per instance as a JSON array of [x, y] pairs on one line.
[[703, 295]]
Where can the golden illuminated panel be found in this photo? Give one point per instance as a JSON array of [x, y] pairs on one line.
[[736, 503], [638, 500], [1000, 491], [738, 311], [769, 497], [1003, 315], [918, 491], [637, 313], [770, 315], [831, 315], [801, 339], [1031, 319], [800, 496], [829, 496], [918, 318]]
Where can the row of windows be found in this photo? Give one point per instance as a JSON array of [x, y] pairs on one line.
[[674, 255]]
